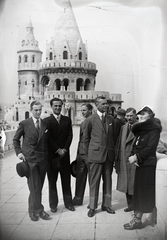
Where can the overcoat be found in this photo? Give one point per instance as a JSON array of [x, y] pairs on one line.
[[126, 171]]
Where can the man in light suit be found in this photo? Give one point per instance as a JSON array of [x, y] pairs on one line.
[[82, 163], [125, 170], [98, 138], [34, 150], [60, 138]]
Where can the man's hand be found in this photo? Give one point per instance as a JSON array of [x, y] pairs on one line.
[[132, 159], [21, 157], [62, 151]]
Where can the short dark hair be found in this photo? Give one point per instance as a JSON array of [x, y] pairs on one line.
[[35, 102], [99, 98], [131, 109], [55, 99], [88, 105]]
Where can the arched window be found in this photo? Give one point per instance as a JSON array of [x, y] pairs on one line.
[[26, 82], [25, 58], [51, 56], [80, 55], [19, 59], [33, 58], [65, 55], [26, 115]]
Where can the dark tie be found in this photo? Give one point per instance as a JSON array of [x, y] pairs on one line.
[[37, 125]]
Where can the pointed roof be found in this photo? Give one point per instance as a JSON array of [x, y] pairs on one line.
[[29, 42], [66, 29]]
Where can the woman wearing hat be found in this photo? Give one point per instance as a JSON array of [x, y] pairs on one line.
[[147, 132]]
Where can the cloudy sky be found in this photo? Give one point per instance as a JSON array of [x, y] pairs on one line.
[[126, 40]]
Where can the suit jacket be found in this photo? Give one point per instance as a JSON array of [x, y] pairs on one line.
[[34, 144], [98, 142], [60, 135]]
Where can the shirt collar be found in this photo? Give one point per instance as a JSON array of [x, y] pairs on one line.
[[100, 114], [35, 119], [57, 116]]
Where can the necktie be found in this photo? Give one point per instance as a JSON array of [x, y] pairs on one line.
[[37, 125], [58, 118]]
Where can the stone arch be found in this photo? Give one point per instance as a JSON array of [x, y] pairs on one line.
[[79, 84], [65, 55], [27, 114], [57, 85], [66, 84], [44, 82], [87, 85]]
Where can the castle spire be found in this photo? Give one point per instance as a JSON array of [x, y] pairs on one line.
[[66, 32]]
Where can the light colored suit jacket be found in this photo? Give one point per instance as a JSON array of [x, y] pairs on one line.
[[99, 143], [33, 145]]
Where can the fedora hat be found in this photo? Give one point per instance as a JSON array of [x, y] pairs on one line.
[[73, 166], [22, 169]]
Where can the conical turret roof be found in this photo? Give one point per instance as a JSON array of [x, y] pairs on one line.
[[29, 43], [67, 31]]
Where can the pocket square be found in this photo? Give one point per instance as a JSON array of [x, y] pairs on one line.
[[110, 124], [46, 130]]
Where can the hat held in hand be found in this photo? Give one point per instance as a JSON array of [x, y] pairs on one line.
[[22, 169]]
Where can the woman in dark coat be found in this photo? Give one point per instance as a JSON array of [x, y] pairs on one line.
[[147, 132]]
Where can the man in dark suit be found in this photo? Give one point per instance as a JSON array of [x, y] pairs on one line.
[[98, 137], [82, 163], [34, 150], [60, 138]]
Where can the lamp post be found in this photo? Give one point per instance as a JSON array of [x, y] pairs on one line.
[[33, 84], [19, 85]]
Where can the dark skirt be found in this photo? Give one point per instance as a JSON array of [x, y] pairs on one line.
[[144, 189]]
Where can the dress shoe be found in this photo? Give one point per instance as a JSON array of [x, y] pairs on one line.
[[71, 208], [128, 209], [91, 212], [44, 215], [33, 217], [75, 203], [133, 225], [108, 209], [53, 210], [88, 207]]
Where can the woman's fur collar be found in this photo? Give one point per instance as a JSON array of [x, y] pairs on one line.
[[140, 128]]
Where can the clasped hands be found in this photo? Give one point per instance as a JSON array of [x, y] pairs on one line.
[[61, 151]]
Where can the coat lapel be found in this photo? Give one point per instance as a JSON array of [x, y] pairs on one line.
[[42, 129], [98, 120], [32, 128]]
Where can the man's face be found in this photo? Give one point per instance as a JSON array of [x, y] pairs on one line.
[[102, 105], [131, 117], [56, 107], [85, 111], [36, 111]]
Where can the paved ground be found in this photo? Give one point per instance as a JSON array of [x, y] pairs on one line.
[[15, 223]]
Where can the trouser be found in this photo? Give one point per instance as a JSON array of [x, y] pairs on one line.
[[37, 173], [129, 199], [65, 181], [96, 170], [81, 178]]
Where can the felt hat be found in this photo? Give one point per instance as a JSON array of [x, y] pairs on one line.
[[22, 169], [73, 166]]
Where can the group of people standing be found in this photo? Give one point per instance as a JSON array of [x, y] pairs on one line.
[[127, 143]]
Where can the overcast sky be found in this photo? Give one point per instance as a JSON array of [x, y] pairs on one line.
[[125, 39]]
